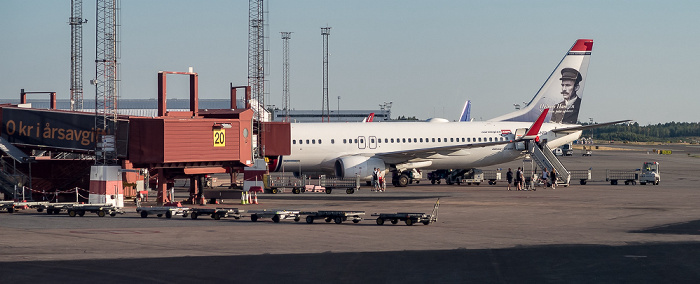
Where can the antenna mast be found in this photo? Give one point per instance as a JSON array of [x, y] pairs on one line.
[[76, 54], [106, 81], [325, 109]]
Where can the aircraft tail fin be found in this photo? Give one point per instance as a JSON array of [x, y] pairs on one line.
[[466, 111], [562, 92], [369, 118]]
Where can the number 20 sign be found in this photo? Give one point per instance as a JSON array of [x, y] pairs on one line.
[[219, 138]]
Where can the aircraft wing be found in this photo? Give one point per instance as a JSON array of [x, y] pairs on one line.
[[583, 127]]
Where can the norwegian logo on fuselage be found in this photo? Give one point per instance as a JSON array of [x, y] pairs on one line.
[[505, 131]]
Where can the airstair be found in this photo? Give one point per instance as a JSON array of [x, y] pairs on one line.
[[545, 159]]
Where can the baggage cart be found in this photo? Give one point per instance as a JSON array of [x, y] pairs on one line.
[[409, 218], [56, 208], [168, 211], [14, 206], [337, 216], [275, 215], [99, 209], [582, 175], [214, 213], [629, 177]]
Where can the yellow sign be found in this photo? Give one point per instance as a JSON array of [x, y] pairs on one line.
[[219, 137]]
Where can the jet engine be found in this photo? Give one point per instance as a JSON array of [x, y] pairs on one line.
[[357, 165]]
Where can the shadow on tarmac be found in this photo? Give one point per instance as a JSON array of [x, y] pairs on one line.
[[636, 263], [685, 228]]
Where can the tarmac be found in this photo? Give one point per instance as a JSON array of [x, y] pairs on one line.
[[593, 233]]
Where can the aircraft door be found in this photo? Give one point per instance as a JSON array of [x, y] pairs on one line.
[[361, 143], [373, 142]]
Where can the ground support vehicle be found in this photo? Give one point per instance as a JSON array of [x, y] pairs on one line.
[[629, 177], [275, 215], [277, 182], [99, 209], [472, 176], [437, 175], [336, 216], [14, 206], [409, 218], [492, 176], [350, 184], [582, 175], [56, 208], [168, 211], [650, 173], [214, 213]]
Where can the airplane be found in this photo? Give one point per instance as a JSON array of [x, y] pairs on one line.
[[350, 149]]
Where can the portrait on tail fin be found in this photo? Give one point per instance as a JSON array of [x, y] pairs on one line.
[[567, 110]]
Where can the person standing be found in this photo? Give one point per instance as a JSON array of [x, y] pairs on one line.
[[553, 176], [375, 186], [382, 181], [518, 179], [509, 177], [545, 177]]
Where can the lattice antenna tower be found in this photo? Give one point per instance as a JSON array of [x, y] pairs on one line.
[[106, 76], [76, 22], [256, 65], [286, 36], [325, 109]]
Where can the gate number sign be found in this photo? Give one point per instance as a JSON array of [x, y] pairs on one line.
[[219, 138]]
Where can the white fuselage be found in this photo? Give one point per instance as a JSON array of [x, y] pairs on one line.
[[315, 147]]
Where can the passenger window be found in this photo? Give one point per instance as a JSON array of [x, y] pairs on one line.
[[439, 140], [479, 139], [332, 141], [415, 140], [371, 140], [404, 140], [294, 142], [469, 139], [421, 140], [355, 141], [307, 141], [452, 140], [433, 139], [344, 141], [319, 141], [386, 140], [362, 141], [313, 141], [392, 140]]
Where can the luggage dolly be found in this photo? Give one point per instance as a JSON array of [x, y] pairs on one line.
[[14, 206], [409, 218], [214, 213], [276, 215], [168, 211], [56, 208], [100, 209], [337, 216]]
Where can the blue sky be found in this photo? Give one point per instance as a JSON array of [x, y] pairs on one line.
[[427, 57]]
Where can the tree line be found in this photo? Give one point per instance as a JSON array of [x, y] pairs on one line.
[[633, 132]]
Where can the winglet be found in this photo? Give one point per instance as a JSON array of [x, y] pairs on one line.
[[535, 128]]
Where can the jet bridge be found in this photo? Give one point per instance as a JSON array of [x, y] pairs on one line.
[[545, 159]]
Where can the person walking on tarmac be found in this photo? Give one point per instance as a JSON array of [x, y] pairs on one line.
[[519, 179], [553, 176], [509, 177], [375, 177], [545, 177]]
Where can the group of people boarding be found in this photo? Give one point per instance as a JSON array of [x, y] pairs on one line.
[[378, 181], [547, 178]]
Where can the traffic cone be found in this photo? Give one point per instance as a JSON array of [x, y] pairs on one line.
[[243, 198], [248, 195], [255, 197]]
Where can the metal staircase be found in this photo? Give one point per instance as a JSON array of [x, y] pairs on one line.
[[545, 159], [11, 181]]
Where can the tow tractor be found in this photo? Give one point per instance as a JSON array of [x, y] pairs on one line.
[[650, 173], [168, 211]]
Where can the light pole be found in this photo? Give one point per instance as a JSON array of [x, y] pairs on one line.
[[338, 108], [592, 130]]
